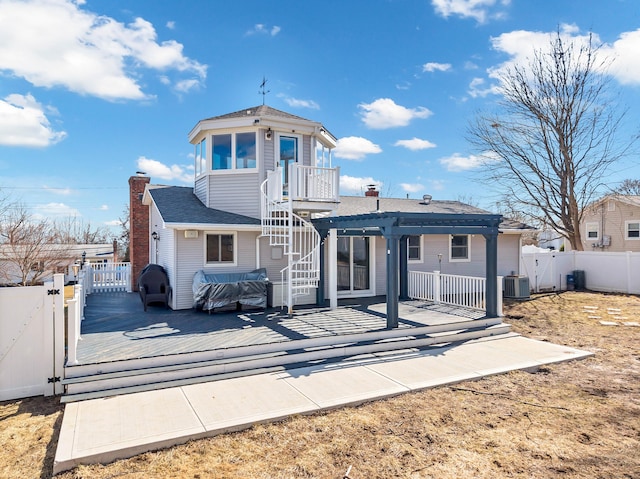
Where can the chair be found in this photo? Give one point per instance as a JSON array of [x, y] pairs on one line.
[[153, 285]]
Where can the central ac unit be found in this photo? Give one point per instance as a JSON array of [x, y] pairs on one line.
[[516, 287]]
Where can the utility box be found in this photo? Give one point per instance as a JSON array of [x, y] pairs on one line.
[[516, 287]]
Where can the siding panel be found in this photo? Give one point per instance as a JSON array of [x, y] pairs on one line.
[[237, 193]]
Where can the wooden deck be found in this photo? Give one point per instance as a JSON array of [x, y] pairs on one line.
[[116, 328]]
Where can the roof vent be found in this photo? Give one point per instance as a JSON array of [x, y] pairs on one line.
[[426, 199]]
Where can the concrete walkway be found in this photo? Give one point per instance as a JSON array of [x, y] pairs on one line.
[[102, 430]]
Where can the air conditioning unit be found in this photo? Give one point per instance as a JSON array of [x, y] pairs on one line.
[[516, 287]]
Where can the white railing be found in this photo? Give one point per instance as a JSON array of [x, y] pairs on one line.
[[465, 291], [109, 277], [311, 183], [75, 312]]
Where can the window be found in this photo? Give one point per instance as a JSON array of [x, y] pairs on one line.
[[220, 248], [234, 151], [414, 252], [459, 248], [201, 157], [221, 152], [593, 231], [633, 229], [245, 150]]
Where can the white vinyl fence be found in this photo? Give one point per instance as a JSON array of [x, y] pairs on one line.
[[465, 291], [109, 277], [32, 339], [603, 271]]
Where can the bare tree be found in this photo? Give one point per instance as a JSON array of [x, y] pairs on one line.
[[74, 230], [123, 239], [550, 145], [27, 251], [628, 187]]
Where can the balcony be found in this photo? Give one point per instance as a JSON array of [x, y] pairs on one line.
[[309, 188]]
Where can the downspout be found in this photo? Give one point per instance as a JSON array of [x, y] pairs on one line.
[[258, 249]]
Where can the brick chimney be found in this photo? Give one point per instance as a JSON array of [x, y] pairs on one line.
[[138, 228], [371, 191]]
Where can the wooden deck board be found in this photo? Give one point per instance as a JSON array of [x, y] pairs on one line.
[[117, 328]]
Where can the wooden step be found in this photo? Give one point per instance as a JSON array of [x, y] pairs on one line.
[[140, 375]]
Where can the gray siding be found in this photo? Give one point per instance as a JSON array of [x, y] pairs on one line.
[[238, 193], [306, 151], [268, 158], [190, 258], [273, 266], [200, 189], [611, 222]]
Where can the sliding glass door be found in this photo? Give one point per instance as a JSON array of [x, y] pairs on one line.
[[354, 265]]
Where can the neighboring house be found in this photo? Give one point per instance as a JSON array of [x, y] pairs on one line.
[[612, 224], [265, 195], [26, 262]]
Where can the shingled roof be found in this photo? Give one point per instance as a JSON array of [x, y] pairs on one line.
[[178, 205], [258, 111], [357, 205]]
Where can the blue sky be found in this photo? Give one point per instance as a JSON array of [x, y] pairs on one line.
[[92, 91]]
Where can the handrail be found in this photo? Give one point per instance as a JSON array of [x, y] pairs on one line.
[[465, 291]]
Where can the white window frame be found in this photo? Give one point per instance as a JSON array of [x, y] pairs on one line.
[[591, 227], [626, 230], [420, 249], [460, 260], [234, 159], [221, 264]]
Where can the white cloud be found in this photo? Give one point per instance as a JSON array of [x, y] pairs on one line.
[[54, 209], [355, 148], [385, 113], [456, 162], [352, 185], [104, 207], [171, 25], [113, 223], [521, 44], [57, 191], [626, 68], [56, 43], [411, 187], [432, 67], [154, 168], [415, 144], [479, 10], [478, 88], [261, 29], [297, 103], [24, 123]]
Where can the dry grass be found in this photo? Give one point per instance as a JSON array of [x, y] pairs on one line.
[[573, 420]]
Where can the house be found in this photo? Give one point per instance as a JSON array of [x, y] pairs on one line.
[[612, 224], [265, 195]]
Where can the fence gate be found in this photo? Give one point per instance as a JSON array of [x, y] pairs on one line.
[[32, 344], [540, 268]]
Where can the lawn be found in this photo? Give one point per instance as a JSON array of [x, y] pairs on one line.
[[572, 420]]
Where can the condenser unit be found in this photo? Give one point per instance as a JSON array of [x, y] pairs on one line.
[[516, 287]]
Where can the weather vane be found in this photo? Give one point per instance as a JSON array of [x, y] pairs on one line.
[[262, 91]]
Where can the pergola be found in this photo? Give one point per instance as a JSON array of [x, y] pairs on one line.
[[395, 227]]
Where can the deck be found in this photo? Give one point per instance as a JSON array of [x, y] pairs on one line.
[[116, 327]]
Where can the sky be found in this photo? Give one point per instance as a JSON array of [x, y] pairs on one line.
[[92, 91]]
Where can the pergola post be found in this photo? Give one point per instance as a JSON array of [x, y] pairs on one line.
[[392, 281], [333, 268], [404, 269], [321, 278], [491, 249]]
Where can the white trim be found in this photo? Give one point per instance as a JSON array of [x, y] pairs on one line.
[[626, 230], [420, 252], [460, 260], [221, 264], [589, 227], [211, 227], [234, 159], [360, 293]]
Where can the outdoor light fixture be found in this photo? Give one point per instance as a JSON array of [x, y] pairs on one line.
[[154, 235], [84, 257], [440, 262], [268, 134]]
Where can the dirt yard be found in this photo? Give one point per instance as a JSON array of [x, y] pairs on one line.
[[573, 420]]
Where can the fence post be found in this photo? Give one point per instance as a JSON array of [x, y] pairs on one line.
[[59, 333], [72, 329], [500, 311], [48, 338], [436, 286], [628, 262]]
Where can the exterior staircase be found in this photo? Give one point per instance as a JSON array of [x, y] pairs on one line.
[[296, 235]]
